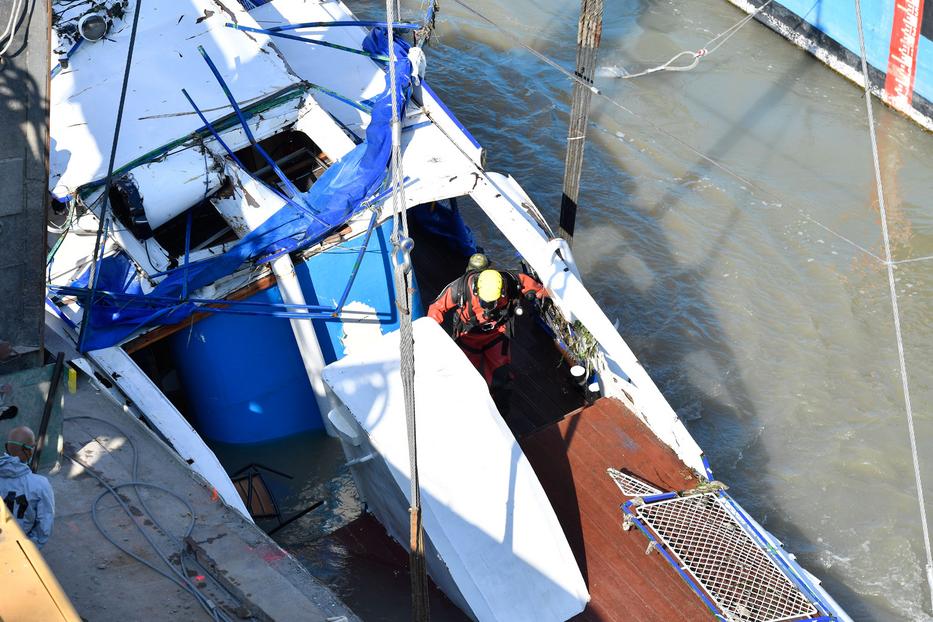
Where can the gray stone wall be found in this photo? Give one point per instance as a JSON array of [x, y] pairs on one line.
[[24, 147]]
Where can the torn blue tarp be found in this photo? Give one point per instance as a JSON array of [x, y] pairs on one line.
[[334, 198]]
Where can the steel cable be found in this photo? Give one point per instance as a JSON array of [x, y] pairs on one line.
[[402, 246], [893, 291]]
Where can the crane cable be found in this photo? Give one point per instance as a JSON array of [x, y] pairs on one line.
[[401, 258], [893, 290]]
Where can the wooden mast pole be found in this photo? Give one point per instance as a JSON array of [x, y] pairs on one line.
[[589, 32]]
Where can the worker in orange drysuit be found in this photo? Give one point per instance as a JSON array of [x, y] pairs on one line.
[[484, 304]]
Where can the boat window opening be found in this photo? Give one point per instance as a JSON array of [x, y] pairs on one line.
[[294, 152], [208, 228], [156, 361]]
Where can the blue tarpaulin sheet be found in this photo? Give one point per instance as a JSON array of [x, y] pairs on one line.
[[334, 198]]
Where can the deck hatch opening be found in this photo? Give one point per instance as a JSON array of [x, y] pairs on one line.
[[716, 551], [208, 228], [302, 161]]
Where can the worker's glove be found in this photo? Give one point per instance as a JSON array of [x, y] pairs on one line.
[[546, 304]]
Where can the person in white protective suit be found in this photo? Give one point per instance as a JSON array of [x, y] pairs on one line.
[[28, 496]]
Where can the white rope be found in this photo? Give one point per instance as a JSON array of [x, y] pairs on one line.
[[706, 50], [668, 66], [893, 290], [913, 259], [728, 33], [10, 30]]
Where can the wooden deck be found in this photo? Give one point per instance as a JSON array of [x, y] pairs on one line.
[[571, 458]]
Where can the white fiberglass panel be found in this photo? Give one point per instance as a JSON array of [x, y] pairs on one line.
[[353, 76], [484, 510]]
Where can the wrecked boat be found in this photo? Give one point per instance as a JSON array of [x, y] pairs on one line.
[[226, 261]]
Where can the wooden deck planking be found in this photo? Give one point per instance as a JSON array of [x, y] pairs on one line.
[[571, 458]]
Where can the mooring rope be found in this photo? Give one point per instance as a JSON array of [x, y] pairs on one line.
[[893, 290], [707, 49], [401, 257]]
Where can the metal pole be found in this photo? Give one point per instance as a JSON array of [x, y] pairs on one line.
[[589, 32], [101, 243], [41, 438]]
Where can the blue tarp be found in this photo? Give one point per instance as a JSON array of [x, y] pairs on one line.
[[334, 198]]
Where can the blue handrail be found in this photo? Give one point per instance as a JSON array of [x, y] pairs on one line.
[[327, 44], [343, 23]]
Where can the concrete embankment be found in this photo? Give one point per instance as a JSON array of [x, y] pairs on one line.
[[225, 558]]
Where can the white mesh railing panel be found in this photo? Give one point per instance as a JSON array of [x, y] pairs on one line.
[[630, 485], [734, 571]]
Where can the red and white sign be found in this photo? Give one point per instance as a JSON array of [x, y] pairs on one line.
[[902, 57]]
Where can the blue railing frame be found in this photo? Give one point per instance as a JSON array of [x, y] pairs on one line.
[[797, 578], [211, 305], [358, 262], [327, 44], [188, 223], [627, 509]]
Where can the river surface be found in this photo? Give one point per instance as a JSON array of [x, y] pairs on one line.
[[743, 291]]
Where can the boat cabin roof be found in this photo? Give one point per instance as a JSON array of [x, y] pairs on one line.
[[85, 95]]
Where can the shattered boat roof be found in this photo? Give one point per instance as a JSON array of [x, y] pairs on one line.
[[85, 95]]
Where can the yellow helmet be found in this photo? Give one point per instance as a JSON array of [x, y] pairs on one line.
[[489, 285]]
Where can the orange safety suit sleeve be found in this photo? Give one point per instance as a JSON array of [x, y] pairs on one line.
[[529, 284], [443, 304]]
